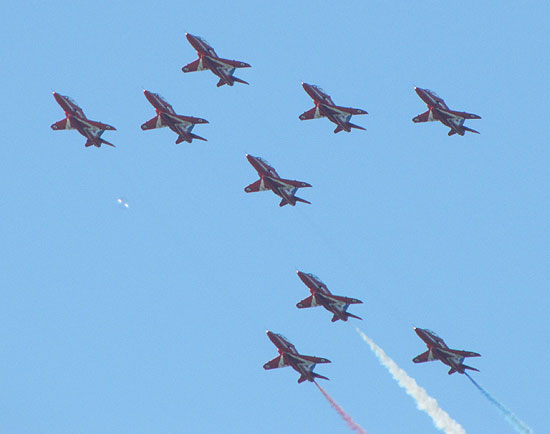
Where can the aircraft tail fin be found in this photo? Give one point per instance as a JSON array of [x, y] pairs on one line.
[[335, 318], [353, 316], [451, 371], [299, 199], [302, 379], [182, 139], [222, 83], [451, 133], [338, 129]]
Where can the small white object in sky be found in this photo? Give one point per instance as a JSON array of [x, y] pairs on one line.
[[123, 202]]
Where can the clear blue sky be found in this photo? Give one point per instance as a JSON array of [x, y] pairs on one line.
[[152, 319]]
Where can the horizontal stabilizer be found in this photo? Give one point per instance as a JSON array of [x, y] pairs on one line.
[[302, 379], [194, 136], [470, 368], [357, 127], [239, 80], [183, 139], [470, 130], [151, 124], [299, 199], [452, 132], [354, 316], [338, 129], [97, 142], [320, 376], [222, 83]]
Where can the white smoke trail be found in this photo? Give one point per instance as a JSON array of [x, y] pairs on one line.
[[424, 401], [512, 419]]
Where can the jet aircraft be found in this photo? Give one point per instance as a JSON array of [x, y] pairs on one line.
[[321, 296], [75, 119], [288, 356], [325, 107], [438, 111], [270, 180], [167, 117], [438, 350], [208, 59]]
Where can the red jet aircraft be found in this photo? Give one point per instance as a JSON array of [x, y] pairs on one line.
[[438, 350], [288, 356], [325, 107], [208, 59], [321, 296], [167, 117], [76, 120], [438, 111], [270, 180]]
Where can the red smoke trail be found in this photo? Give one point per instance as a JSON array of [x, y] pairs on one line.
[[341, 412]]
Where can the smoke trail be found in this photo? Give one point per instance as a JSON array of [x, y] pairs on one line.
[[424, 401], [341, 411], [518, 425]]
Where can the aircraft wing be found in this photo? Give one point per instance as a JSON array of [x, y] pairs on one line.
[[307, 302], [285, 183], [424, 117], [194, 66], [310, 114], [63, 124], [313, 359], [188, 120], [460, 353], [229, 64], [156, 122], [98, 125], [277, 362], [341, 300], [255, 187], [465, 115], [424, 357], [345, 110]]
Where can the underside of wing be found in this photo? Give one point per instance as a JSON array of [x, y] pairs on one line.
[[194, 66], [277, 362], [63, 124], [151, 124], [424, 357], [307, 302], [460, 353], [342, 300], [424, 117], [255, 187]]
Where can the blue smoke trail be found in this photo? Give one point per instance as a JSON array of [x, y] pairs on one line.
[[517, 424]]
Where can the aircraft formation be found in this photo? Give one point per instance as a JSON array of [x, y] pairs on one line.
[[286, 189]]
